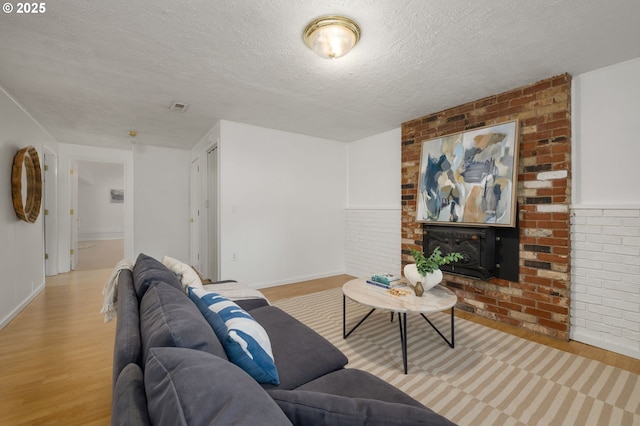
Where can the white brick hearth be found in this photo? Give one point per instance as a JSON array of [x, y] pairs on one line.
[[605, 290]]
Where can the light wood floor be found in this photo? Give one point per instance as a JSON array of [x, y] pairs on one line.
[[56, 355], [99, 254]]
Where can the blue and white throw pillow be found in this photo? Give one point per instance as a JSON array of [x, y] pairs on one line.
[[245, 341]]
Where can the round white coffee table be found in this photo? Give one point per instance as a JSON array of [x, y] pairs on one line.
[[435, 300]]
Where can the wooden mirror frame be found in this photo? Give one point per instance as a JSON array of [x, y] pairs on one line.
[[29, 208]]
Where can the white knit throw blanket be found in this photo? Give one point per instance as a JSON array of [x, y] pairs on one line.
[[110, 290]]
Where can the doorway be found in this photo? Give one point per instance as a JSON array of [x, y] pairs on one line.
[[97, 225], [69, 155]]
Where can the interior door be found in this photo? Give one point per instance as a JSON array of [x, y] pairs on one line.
[[212, 214], [195, 186], [73, 213]]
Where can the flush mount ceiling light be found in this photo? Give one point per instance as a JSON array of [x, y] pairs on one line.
[[331, 36], [132, 137]]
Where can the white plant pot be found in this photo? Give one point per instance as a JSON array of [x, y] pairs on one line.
[[428, 281]]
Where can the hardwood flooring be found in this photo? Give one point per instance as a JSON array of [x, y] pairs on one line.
[[99, 254], [56, 355]]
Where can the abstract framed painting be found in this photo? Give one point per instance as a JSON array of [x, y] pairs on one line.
[[116, 196], [470, 178]]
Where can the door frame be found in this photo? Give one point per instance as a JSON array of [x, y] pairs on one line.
[[68, 153], [195, 217], [50, 212], [212, 189]]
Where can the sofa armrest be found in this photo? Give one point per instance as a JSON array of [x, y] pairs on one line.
[[127, 347], [129, 402]]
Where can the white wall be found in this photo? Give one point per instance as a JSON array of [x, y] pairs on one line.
[[375, 171], [373, 213], [161, 193], [606, 141], [21, 243], [100, 219], [282, 198], [605, 223]]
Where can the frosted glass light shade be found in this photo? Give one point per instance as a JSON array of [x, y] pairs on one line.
[[331, 36]]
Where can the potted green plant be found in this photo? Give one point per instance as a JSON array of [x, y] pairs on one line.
[[425, 273]]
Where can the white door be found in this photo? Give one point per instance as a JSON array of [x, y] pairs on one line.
[[212, 214], [73, 213], [195, 186]]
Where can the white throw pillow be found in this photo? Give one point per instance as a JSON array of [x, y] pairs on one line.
[[188, 276]]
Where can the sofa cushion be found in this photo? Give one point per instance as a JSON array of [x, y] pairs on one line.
[[187, 387], [126, 348], [245, 341], [251, 304], [354, 383], [185, 273], [315, 408], [169, 318], [300, 353], [147, 271], [129, 403]]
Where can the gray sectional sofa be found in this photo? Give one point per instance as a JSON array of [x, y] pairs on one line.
[[170, 368]]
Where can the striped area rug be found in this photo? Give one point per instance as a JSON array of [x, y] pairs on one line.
[[489, 378]]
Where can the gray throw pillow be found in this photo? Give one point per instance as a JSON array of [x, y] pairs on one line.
[[188, 387], [169, 318], [147, 271]]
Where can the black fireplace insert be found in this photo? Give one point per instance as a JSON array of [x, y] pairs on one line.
[[486, 252]]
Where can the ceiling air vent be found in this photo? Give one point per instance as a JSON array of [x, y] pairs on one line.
[[178, 107]]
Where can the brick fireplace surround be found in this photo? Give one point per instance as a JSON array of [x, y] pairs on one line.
[[539, 301]]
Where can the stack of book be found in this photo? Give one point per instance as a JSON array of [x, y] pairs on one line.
[[386, 281]]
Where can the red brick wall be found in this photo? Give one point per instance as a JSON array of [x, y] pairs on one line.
[[539, 301]]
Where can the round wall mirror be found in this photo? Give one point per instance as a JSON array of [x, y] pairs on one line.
[[26, 184]]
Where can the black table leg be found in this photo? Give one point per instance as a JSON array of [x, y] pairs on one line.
[[402, 323], [344, 318], [450, 343]]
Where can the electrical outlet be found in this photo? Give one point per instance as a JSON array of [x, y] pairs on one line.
[[234, 257]]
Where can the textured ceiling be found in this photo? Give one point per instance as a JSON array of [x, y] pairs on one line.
[[90, 71]]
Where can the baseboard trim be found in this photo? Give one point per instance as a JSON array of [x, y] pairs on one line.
[[588, 339], [101, 234], [297, 279], [14, 313]]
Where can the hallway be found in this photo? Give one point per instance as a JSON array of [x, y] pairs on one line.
[[99, 254]]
